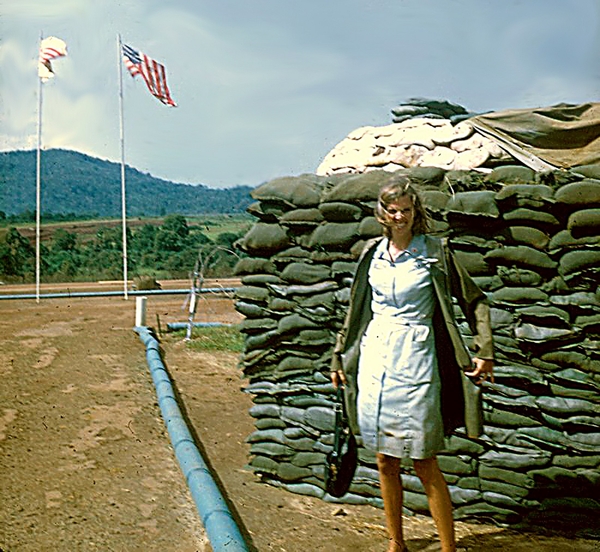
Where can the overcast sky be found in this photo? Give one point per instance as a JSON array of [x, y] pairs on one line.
[[267, 88]]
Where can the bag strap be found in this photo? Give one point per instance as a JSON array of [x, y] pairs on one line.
[[341, 420]]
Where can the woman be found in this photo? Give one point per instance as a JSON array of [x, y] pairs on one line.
[[401, 358]]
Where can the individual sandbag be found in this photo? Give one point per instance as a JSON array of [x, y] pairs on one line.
[[462, 181], [305, 273], [355, 188], [273, 435], [513, 491], [260, 279], [479, 203], [488, 283], [291, 254], [519, 277], [587, 171], [578, 195], [252, 293], [264, 239], [518, 296], [461, 496], [288, 291], [291, 363], [435, 200], [287, 471], [511, 477], [339, 211], [585, 223], [585, 442], [501, 318], [520, 256], [268, 211], [485, 510], [370, 228], [542, 437], [562, 406], [565, 240], [506, 418], [249, 310], [261, 340], [455, 444], [540, 334], [296, 191], [582, 302], [544, 316], [293, 323], [264, 464], [334, 235], [542, 220], [302, 218], [570, 358], [516, 458], [279, 305], [527, 235], [456, 465], [511, 174], [577, 261], [577, 461], [305, 459], [272, 450], [513, 196], [251, 265], [474, 263], [589, 324], [255, 325], [521, 377]]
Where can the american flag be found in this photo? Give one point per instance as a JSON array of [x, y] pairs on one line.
[[152, 72], [50, 48]]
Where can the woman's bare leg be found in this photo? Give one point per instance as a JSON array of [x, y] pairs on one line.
[[391, 492], [439, 500]]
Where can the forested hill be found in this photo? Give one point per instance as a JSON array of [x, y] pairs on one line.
[[76, 183]]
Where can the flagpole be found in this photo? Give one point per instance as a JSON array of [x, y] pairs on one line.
[[38, 194], [122, 136]]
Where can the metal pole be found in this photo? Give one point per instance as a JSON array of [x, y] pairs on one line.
[[122, 136], [38, 194]]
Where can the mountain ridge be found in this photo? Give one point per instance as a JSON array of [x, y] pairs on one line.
[[74, 182]]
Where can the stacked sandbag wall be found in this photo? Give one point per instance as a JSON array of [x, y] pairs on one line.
[[532, 243]]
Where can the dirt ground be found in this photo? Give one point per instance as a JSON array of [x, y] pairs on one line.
[[86, 463]]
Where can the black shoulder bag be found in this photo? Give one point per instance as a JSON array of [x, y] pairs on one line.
[[342, 460]]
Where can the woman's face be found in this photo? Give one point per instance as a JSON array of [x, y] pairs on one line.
[[401, 215]]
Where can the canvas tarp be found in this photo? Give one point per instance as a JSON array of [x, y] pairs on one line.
[[560, 136]]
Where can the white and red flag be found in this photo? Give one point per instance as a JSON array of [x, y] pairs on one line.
[[153, 73], [50, 48]]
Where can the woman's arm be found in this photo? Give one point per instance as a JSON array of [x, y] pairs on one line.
[[474, 305]]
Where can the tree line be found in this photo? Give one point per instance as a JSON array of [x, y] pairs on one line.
[[166, 251]]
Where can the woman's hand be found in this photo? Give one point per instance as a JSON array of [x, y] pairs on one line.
[[338, 377], [483, 370]]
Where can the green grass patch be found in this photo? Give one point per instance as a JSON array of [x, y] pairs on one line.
[[217, 338]]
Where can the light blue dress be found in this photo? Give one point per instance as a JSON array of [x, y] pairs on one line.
[[399, 386]]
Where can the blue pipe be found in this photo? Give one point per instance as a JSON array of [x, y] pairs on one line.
[[115, 293], [174, 326], [220, 526]]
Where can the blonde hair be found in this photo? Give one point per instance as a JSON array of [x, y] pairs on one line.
[[398, 186]]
